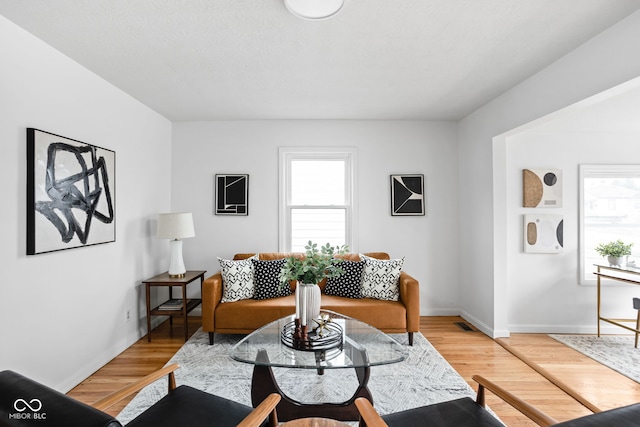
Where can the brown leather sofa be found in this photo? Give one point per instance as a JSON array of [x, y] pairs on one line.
[[245, 316]]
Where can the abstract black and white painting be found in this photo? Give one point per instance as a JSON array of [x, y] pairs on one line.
[[407, 195], [232, 194], [70, 193]]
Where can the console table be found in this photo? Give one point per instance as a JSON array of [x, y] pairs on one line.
[[614, 273], [187, 304]]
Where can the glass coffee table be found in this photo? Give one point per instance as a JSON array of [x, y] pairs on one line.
[[362, 346]]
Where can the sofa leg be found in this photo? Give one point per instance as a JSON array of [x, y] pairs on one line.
[[410, 338], [210, 338]]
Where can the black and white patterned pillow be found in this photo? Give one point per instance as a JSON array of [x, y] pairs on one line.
[[380, 278], [266, 276], [349, 284], [237, 279]]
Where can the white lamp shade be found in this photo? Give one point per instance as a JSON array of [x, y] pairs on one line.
[[314, 9], [175, 225]]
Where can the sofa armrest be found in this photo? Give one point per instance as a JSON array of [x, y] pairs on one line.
[[211, 296], [410, 298]]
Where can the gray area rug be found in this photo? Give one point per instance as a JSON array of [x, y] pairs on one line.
[[615, 351], [425, 377]]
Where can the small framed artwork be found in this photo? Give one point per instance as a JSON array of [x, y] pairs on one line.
[[70, 193], [231, 194], [543, 234], [541, 188], [407, 195]]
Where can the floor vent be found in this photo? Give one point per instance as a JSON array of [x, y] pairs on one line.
[[464, 326]]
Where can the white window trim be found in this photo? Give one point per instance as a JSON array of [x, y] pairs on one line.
[[285, 156], [605, 170]]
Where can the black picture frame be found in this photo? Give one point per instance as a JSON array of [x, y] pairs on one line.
[[407, 195], [231, 194], [70, 193]]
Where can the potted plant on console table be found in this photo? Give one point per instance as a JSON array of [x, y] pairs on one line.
[[616, 252], [317, 265]]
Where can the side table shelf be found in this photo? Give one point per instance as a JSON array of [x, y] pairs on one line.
[[188, 304], [191, 304]]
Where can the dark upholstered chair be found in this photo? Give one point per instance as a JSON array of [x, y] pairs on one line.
[[24, 402], [466, 412]]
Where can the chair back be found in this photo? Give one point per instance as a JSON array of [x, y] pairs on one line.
[[25, 402]]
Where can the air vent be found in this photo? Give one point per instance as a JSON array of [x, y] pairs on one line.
[[464, 326]]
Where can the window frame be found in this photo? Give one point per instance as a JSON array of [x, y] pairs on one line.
[[286, 156], [590, 171]]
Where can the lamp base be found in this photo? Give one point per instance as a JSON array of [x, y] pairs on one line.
[[177, 276], [176, 266]]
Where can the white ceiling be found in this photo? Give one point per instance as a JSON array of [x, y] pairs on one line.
[[376, 59]]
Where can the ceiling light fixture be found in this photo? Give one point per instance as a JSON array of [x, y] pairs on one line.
[[314, 9]]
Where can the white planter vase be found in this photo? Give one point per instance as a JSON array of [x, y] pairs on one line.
[[307, 303], [617, 261]]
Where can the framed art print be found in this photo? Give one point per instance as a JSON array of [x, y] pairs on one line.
[[542, 188], [407, 195], [232, 194], [70, 193], [543, 234]]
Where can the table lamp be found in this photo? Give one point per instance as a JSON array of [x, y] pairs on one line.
[[176, 226]]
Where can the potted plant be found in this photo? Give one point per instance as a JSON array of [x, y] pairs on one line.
[[615, 251], [317, 264]]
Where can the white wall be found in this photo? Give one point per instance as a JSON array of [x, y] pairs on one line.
[[202, 149], [63, 313], [533, 278], [604, 62]]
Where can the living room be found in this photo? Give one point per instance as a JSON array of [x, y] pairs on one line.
[[69, 307]]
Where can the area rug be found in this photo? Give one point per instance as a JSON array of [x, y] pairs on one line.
[[425, 377], [615, 351]]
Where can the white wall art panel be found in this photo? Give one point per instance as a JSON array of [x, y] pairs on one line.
[[543, 234]]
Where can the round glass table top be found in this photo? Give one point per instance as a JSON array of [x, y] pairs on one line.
[[361, 346]]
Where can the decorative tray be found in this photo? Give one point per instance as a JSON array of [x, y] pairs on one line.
[[331, 337]]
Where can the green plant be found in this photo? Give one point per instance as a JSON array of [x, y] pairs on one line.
[[315, 266], [614, 249]]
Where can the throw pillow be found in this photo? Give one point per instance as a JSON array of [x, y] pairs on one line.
[[380, 278], [237, 279], [266, 276], [349, 284]]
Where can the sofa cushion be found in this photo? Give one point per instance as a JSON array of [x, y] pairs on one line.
[[247, 315], [380, 278], [266, 276], [348, 284], [368, 310], [237, 279]]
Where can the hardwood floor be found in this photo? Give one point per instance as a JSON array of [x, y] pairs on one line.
[[474, 353], [469, 352]]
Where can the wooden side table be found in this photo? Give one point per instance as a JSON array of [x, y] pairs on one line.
[[187, 304]]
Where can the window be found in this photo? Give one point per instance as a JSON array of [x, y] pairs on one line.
[[609, 210], [316, 197]]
